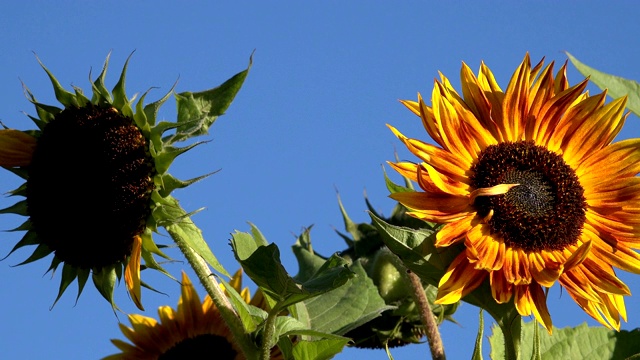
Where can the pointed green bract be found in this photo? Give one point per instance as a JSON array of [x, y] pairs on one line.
[[616, 86]]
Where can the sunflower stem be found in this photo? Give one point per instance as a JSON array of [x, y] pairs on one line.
[[207, 278], [512, 331], [269, 330], [426, 315]]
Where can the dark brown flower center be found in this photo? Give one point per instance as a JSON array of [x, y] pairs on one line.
[[545, 212], [89, 186], [206, 346]]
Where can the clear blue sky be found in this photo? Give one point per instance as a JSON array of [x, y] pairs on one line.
[[309, 120]]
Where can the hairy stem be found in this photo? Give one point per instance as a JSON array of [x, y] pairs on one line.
[[207, 278], [269, 329], [430, 324]]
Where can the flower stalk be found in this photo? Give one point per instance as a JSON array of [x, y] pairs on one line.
[[426, 315], [207, 278]]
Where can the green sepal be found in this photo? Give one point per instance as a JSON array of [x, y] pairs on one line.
[[205, 106], [83, 276], [23, 173], [349, 225], [55, 262], [101, 95], [20, 191], [41, 251], [63, 96], [395, 188], [615, 85], [46, 113], [30, 238], [69, 274], [178, 223], [120, 100], [140, 117], [25, 226], [149, 245], [104, 280], [19, 208], [150, 262], [151, 109], [80, 97], [171, 183], [165, 157]]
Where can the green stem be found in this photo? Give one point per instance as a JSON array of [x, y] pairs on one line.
[[512, 330], [426, 315], [269, 330], [207, 278]]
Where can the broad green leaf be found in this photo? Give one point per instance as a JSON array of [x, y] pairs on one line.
[[264, 267], [248, 322], [581, 342], [318, 350], [181, 225], [348, 306], [198, 110], [616, 85]]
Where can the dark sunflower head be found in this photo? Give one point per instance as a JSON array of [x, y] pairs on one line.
[[97, 182], [95, 162]]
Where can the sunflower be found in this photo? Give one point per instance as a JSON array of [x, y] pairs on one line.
[[195, 328], [96, 183], [530, 181]]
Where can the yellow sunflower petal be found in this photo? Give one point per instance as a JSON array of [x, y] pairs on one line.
[[16, 148], [455, 231], [132, 272], [459, 280]]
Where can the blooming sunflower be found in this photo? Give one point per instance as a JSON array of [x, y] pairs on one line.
[[194, 329], [530, 181], [96, 183]]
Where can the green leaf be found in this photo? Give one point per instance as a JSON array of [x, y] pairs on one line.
[[262, 264], [178, 223], [248, 322], [581, 342], [308, 261], [616, 85], [197, 111], [318, 350], [346, 307]]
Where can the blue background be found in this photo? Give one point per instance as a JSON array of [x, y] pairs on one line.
[[310, 119]]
